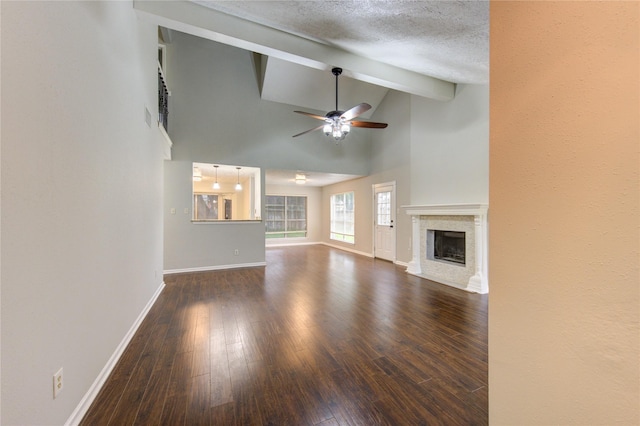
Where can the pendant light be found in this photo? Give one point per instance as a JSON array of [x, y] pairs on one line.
[[216, 185], [238, 186]]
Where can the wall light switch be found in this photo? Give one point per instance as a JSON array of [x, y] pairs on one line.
[[173, 210]]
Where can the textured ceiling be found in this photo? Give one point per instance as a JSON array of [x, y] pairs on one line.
[[448, 40], [439, 41]]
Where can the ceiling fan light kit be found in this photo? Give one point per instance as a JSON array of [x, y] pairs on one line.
[[338, 123]]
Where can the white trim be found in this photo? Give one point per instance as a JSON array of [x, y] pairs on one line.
[[348, 249], [394, 220], [167, 142], [92, 393], [214, 268], [306, 243], [401, 263], [447, 210]]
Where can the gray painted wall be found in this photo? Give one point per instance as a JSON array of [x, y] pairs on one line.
[[436, 152], [391, 161], [217, 116], [191, 245], [450, 148], [81, 196]]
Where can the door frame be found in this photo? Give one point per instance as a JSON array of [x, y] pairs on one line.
[[394, 212]]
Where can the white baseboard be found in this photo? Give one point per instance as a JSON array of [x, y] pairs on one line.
[[306, 243], [214, 268], [349, 249], [87, 400], [401, 263]]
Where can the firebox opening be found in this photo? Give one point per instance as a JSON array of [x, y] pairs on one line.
[[446, 246]]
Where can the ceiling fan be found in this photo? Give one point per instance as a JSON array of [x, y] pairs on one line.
[[338, 123]]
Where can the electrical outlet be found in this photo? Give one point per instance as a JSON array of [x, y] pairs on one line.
[[236, 252], [58, 383]]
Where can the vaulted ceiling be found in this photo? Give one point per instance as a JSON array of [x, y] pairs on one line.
[[419, 47]]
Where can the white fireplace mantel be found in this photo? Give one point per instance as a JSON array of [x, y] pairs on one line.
[[478, 283]]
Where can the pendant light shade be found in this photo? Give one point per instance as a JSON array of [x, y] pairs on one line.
[[238, 186], [216, 185]]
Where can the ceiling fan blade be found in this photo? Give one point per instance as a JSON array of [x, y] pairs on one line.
[[319, 117], [308, 131], [368, 124], [355, 111]]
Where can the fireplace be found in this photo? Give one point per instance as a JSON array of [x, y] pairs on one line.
[[459, 257], [446, 246]]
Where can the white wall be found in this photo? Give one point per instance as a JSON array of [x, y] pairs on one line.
[[564, 337], [450, 148], [314, 212], [81, 255]]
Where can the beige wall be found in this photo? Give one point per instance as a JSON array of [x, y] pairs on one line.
[[564, 216]]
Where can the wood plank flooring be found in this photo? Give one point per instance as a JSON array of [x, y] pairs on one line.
[[318, 337]]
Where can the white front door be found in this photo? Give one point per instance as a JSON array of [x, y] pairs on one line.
[[384, 204]]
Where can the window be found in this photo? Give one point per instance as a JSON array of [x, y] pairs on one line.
[[286, 216], [343, 217], [205, 207]]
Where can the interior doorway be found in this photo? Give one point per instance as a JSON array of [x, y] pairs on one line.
[[384, 214]]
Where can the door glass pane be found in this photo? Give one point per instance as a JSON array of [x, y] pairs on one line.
[[383, 208]]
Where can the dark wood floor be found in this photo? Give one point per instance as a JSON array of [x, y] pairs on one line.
[[318, 337]]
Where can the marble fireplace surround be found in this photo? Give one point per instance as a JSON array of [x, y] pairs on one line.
[[470, 218]]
